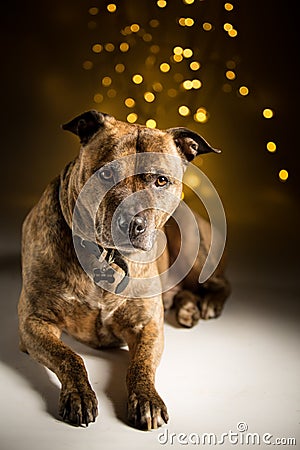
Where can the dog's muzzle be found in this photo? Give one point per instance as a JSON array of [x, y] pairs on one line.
[[135, 231]]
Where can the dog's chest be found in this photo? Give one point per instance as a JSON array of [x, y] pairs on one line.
[[89, 317]]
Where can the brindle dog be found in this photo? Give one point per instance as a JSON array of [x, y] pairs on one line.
[[58, 295]]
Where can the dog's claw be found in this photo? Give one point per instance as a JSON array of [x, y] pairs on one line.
[[147, 413], [78, 408], [77, 420], [64, 414]]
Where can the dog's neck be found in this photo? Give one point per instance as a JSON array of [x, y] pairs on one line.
[[100, 259], [97, 258]]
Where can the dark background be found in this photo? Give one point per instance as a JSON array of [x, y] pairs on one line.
[[44, 84]]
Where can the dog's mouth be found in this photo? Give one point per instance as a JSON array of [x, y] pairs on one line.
[[129, 245]]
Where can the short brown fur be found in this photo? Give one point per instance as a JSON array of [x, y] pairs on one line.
[[57, 295]]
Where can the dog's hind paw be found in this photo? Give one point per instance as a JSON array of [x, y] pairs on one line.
[[78, 408], [217, 290], [187, 311], [147, 412], [188, 315], [211, 309]]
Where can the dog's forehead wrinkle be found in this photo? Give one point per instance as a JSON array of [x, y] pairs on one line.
[[115, 141], [152, 140], [124, 145], [134, 138], [139, 147]]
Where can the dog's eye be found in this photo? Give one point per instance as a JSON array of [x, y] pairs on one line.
[[161, 181], [106, 174]]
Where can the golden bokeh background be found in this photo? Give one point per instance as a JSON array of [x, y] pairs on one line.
[[224, 69]]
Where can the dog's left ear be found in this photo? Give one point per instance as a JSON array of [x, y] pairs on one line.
[[85, 125], [190, 143]]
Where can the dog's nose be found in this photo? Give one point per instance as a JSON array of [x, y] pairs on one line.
[[134, 227], [137, 226]]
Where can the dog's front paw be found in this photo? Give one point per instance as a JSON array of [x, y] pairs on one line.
[[78, 408], [147, 411]]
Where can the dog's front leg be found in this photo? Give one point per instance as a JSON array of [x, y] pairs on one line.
[[41, 339], [146, 410]]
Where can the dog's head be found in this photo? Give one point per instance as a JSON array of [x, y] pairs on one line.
[[140, 171]]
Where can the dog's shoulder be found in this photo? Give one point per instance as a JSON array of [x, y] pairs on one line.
[[45, 219], [46, 237]]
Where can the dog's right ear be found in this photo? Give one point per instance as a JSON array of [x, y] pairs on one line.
[[190, 143], [85, 125]]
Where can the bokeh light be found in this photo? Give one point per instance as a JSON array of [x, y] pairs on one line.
[[201, 115], [87, 65], [177, 58], [106, 81], [151, 123], [268, 113], [184, 110], [187, 85], [207, 26], [157, 86], [94, 11], [150, 73], [196, 84], [137, 78], [177, 50], [232, 33], [124, 47], [271, 147], [109, 47], [149, 97], [189, 22], [228, 6], [283, 175], [97, 48], [227, 26], [243, 90], [134, 27], [132, 117], [165, 67], [111, 7], [187, 52], [230, 75], [195, 65], [129, 102], [119, 68], [98, 98]]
